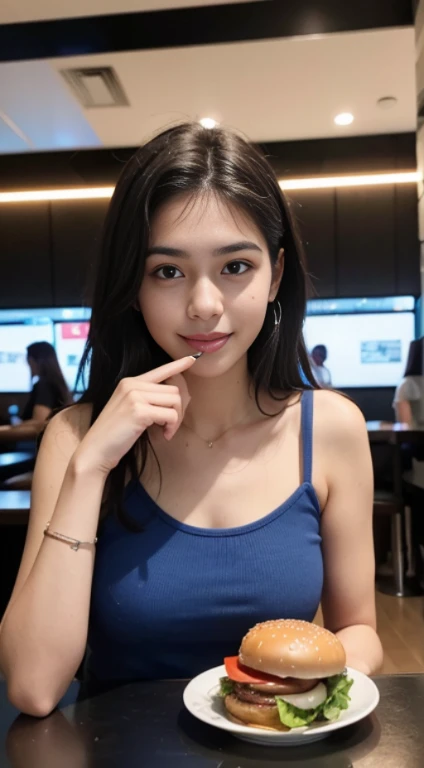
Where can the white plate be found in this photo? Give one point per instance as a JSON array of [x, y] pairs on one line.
[[202, 700]]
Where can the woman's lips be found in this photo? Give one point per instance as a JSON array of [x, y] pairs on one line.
[[207, 346]]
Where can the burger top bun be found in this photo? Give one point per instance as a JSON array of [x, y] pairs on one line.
[[292, 648]]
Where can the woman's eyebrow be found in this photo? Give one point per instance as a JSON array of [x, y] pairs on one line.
[[243, 245]]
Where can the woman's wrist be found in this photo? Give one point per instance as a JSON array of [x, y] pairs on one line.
[[83, 465]]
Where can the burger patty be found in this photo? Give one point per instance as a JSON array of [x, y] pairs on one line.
[[246, 693], [264, 693], [286, 686]]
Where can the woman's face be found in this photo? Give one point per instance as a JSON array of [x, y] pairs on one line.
[[208, 272]]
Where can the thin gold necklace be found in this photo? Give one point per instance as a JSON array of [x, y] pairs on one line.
[[210, 443]]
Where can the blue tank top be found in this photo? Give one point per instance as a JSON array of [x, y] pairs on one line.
[[174, 599]]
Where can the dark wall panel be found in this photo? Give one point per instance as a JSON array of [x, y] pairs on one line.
[[374, 402], [310, 157], [314, 213], [76, 230], [406, 240], [25, 271], [366, 241]]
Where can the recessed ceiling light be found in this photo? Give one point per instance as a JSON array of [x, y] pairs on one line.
[[387, 102], [208, 122], [345, 118]]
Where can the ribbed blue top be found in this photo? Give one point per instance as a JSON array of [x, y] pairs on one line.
[[174, 599]]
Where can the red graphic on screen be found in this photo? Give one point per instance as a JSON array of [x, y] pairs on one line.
[[74, 330]]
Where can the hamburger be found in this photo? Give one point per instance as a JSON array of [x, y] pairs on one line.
[[287, 674]]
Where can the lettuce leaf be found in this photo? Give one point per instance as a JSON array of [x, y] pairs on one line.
[[227, 686], [294, 717], [338, 698]]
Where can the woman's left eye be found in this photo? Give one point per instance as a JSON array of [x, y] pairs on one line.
[[234, 267]]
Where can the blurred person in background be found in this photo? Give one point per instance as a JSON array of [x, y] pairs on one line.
[[408, 401], [317, 359], [48, 393]]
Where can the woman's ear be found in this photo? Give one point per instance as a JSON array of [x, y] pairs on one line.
[[277, 274]]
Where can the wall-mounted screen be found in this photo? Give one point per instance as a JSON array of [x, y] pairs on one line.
[[69, 340], [59, 326], [364, 350], [15, 375], [367, 339]]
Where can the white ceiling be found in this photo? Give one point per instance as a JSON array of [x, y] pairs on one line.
[[279, 89], [14, 11]]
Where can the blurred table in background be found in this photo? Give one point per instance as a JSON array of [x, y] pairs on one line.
[[14, 507], [15, 463], [388, 431]]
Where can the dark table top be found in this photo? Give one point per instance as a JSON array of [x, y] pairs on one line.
[[14, 507], [386, 431], [146, 724]]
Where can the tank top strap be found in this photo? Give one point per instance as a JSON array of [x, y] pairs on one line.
[[307, 433]]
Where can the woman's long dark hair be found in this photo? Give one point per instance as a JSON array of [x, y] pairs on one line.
[[414, 365], [49, 369], [188, 159]]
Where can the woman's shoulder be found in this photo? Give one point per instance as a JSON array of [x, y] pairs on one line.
[[75, 419], [337, 419], [333, 412]]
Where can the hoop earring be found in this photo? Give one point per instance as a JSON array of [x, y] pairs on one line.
[[277, 315]]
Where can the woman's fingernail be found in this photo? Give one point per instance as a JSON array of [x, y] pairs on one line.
[[198, 354]]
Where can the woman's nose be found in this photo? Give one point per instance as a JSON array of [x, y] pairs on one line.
[[205, 302]]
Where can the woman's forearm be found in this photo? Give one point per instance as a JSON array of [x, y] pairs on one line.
[[363, 648], [43, 633], [403, 413]]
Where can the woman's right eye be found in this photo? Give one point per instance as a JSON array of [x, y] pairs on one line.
[[168, 272]]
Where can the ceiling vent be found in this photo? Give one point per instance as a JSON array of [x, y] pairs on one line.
[[96, 87]]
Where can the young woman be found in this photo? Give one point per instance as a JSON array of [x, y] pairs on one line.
[[228, 490], [49, 392], [409, 396]]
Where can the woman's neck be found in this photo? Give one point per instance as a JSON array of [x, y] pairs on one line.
[[219, 403]]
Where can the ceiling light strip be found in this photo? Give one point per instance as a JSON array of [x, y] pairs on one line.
[[372, 179], [80, 193], [96, 193]]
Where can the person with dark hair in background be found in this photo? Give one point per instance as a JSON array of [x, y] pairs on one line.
[[408, 401], [321, 373], [48, 393], [199, 486]]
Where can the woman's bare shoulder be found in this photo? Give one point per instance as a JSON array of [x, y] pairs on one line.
[[74, 420], [336, 417]]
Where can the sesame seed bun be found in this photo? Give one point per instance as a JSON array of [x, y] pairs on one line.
[[292, 648]]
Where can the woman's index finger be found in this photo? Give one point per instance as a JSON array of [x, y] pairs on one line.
[[157, 375]]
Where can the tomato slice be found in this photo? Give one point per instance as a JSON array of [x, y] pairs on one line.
[[240, 674]]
